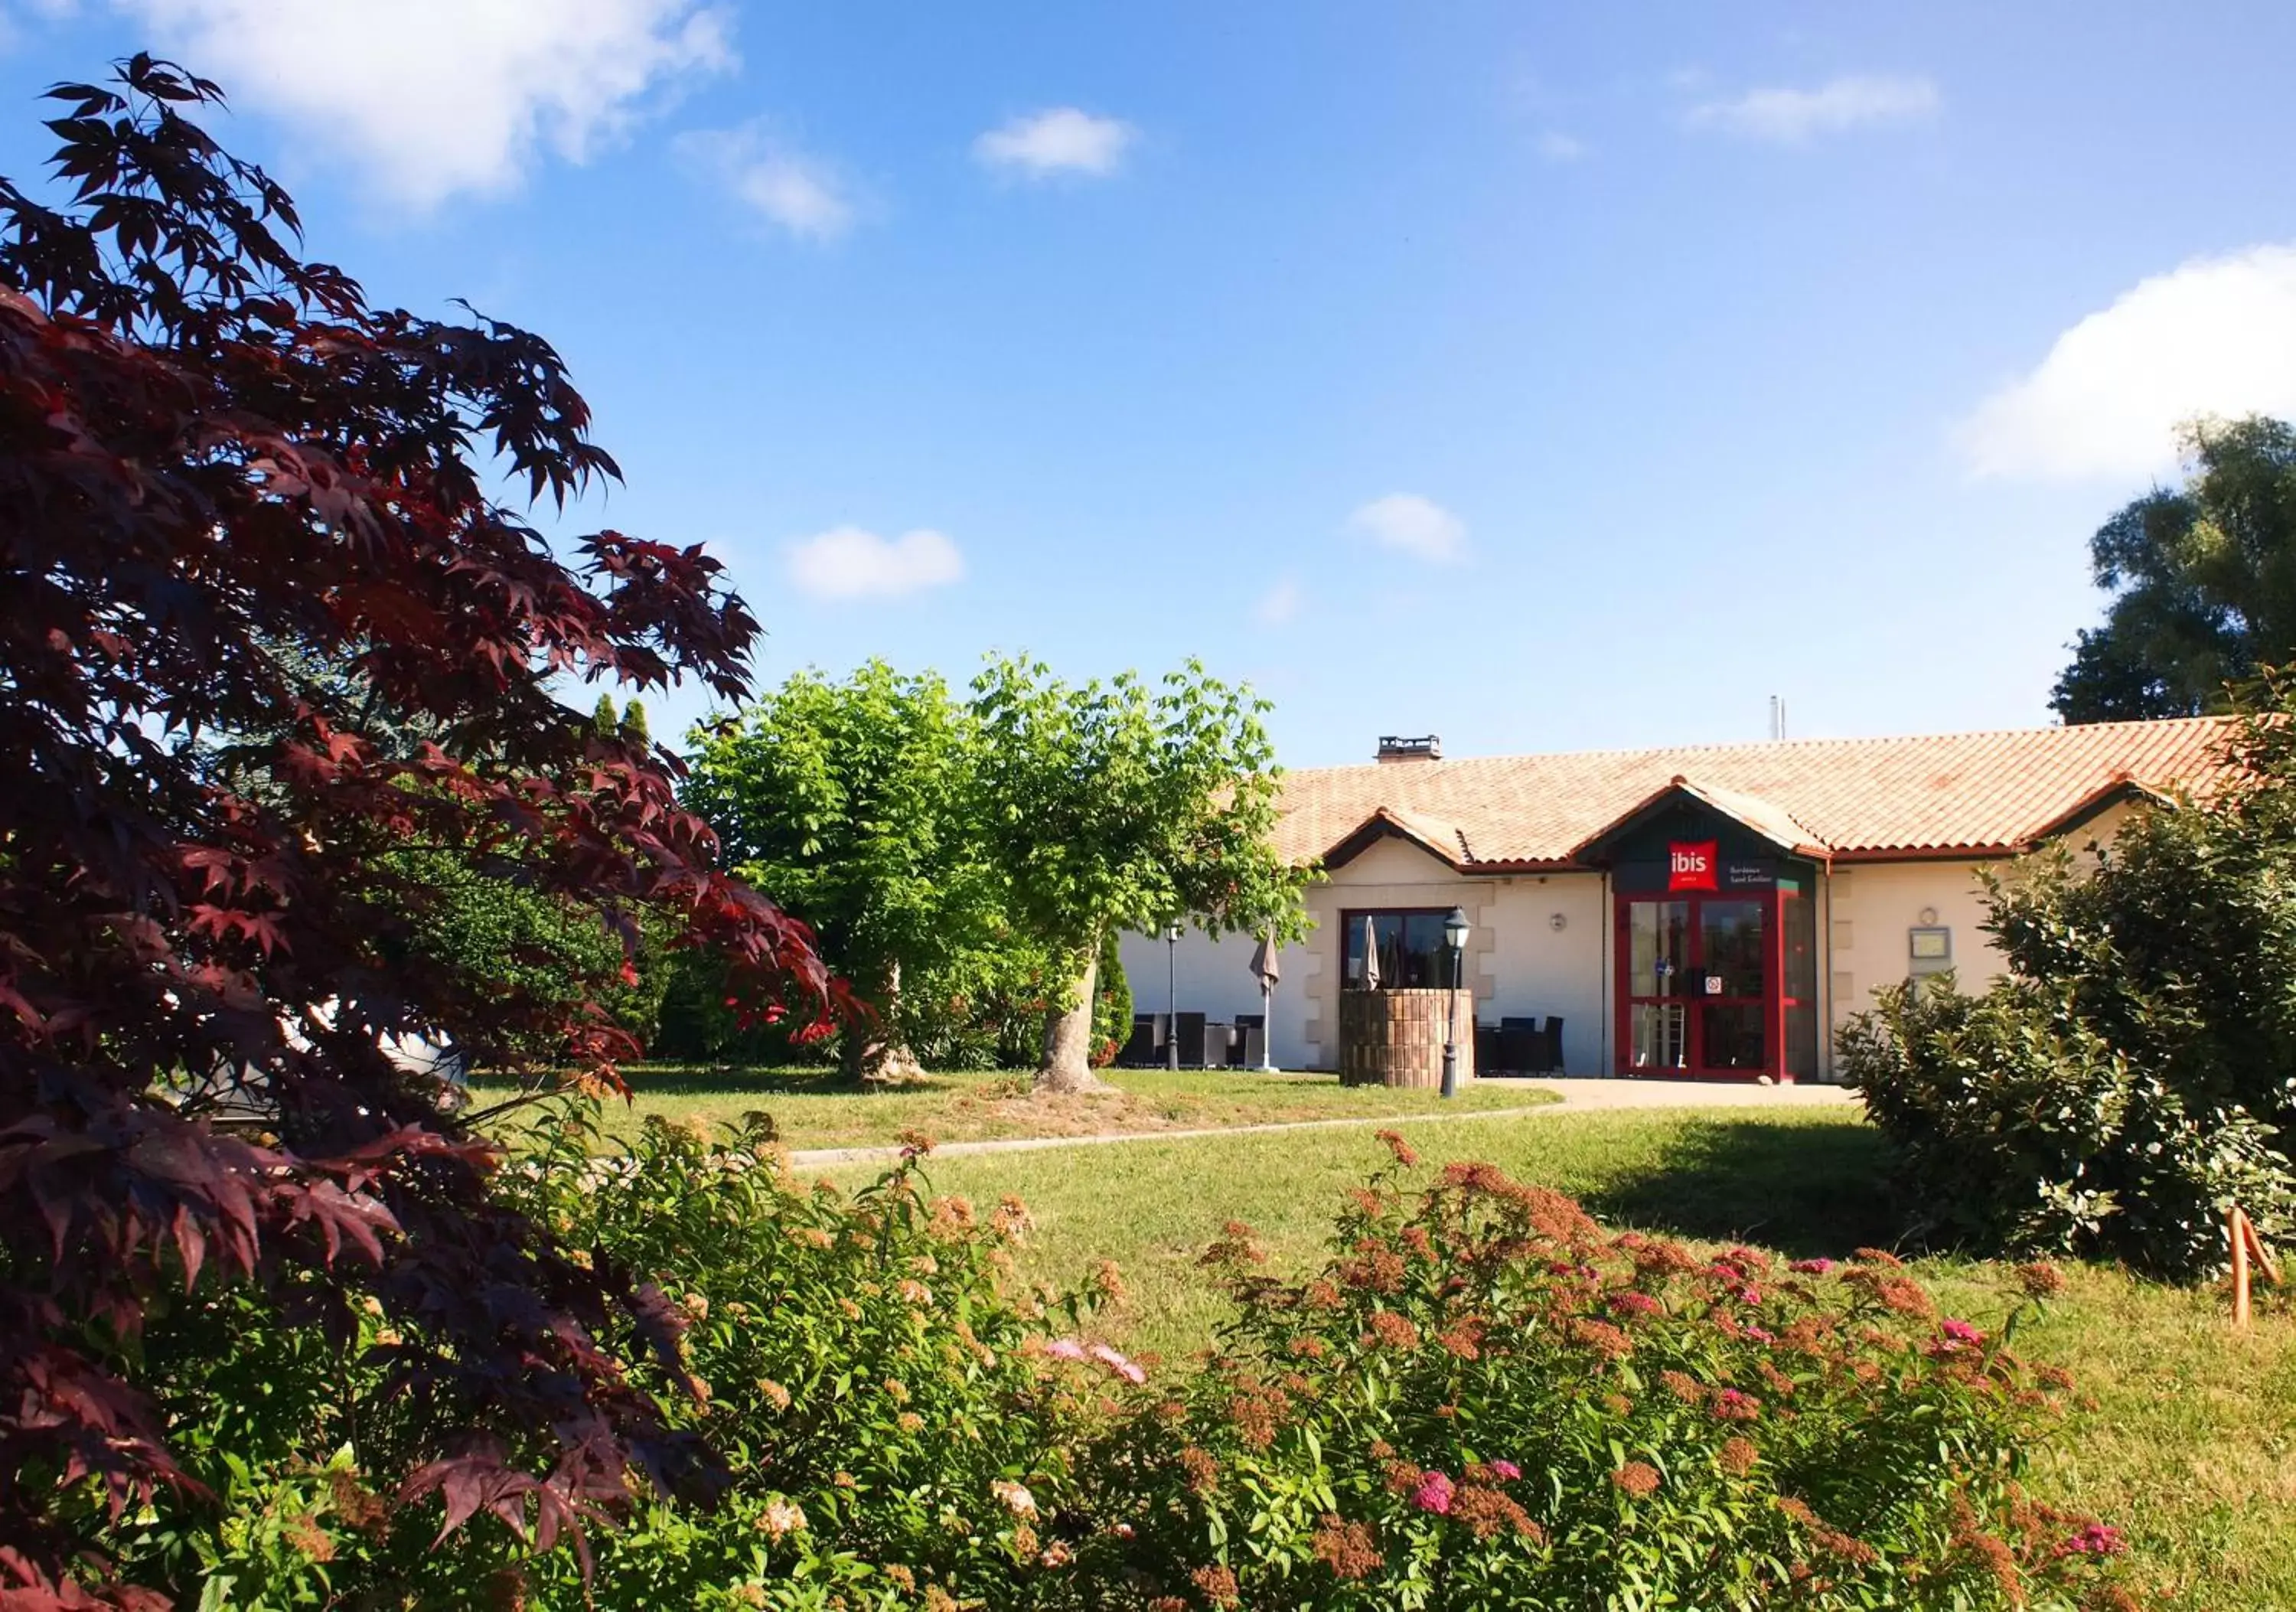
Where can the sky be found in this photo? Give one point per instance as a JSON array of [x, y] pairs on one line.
[[1544, 376]]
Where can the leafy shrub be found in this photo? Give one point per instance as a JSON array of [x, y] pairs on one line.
[[893, 1427], [2135, 1072], [1484, 1401], [2021, 1128]]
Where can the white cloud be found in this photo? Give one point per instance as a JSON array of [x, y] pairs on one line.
[[2214, 336], [1279, 603], [848, 563], [1415, 525], [1556, 146], [1789, 115], [803, 195], [1063, 140], [442, 97]]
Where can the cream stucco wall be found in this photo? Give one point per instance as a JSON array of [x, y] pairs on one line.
[[1518, 961], [1539, 970]]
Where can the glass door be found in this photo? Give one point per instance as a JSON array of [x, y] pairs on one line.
[[1656, 937], [1699, 985], [1734, 962]]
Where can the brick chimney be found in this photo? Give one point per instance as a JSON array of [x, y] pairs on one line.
[[1427, 747]]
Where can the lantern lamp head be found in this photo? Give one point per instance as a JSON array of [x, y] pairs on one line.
[[1455, 929]]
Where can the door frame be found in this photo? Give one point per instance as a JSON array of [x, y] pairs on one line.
[[1776, 1062]]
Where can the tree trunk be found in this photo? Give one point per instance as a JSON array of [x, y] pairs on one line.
[[1067, 1065], [875, 1055]]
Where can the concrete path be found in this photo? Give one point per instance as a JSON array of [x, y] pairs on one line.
[[1578, 1097]]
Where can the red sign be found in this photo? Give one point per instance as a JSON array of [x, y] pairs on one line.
[[1692, 866]]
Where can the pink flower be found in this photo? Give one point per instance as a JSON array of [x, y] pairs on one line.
[[1065, 1348], [1750, 1296], [1811, 1267], [1433, 1494], [1116, 1364], [1507, 1469], [1630, 1302], [1761, 1334], [1961, 1332], [2097, 1539]]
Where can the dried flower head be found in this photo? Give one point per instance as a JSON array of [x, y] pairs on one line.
[[1217, 1585], [1348, 1549], [1637, 1478], [2041, 1280]]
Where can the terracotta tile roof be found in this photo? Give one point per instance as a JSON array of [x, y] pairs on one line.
[[1985, 794]]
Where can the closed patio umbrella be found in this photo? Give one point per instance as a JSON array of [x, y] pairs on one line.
[[1371, 956], [1267, 970]]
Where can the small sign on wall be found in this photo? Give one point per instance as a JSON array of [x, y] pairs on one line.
[[1691, 865]]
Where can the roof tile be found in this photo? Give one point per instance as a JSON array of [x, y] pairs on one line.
[[1982, 792]]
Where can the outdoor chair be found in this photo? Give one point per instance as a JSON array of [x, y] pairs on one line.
[[1553, 1039], [1252, 1046], [1522, 1049], [1487, 1050], [1192, 1040], [1140, 1051], [1219, 1045]]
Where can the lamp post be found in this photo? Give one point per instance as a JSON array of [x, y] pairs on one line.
[[1172, 1001], [1455, 936]]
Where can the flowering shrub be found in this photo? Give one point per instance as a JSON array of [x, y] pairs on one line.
[[899, 1422], [1486, 1400]]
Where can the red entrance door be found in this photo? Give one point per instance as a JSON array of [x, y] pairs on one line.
[[1698, 984]]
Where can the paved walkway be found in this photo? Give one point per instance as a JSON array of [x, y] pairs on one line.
[[1578, 1097]]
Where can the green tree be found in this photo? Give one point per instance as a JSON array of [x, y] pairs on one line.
[[1109, 807], [633, 730], [856, 797], [2202, 578]]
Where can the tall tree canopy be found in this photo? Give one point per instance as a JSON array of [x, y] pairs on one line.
[[212, 449], [1111, 806], [2202, 578], [855, 803]]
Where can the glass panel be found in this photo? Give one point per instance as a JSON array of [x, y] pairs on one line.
[[1730, 1036], [1412, 954], [1798, 929], [1657, 948], [1733, 937], [1657, 1029], [1426, 959], [1801, 1040]]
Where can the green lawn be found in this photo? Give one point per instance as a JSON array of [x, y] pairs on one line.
[[2190, 1444], [814, 1110]]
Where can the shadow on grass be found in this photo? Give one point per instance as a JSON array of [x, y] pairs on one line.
[[1803, 1189]]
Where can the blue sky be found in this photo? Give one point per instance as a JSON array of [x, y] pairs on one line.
[[1546, 376]]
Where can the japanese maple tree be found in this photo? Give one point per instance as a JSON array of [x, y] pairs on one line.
[[219, 464]]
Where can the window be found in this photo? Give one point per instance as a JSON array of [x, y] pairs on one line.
[[1411, 952]]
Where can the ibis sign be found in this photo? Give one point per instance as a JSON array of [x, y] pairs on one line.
[[1692, 865]]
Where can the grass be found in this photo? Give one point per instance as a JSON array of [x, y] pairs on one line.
[[2187, 1438], [813, 1109]]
